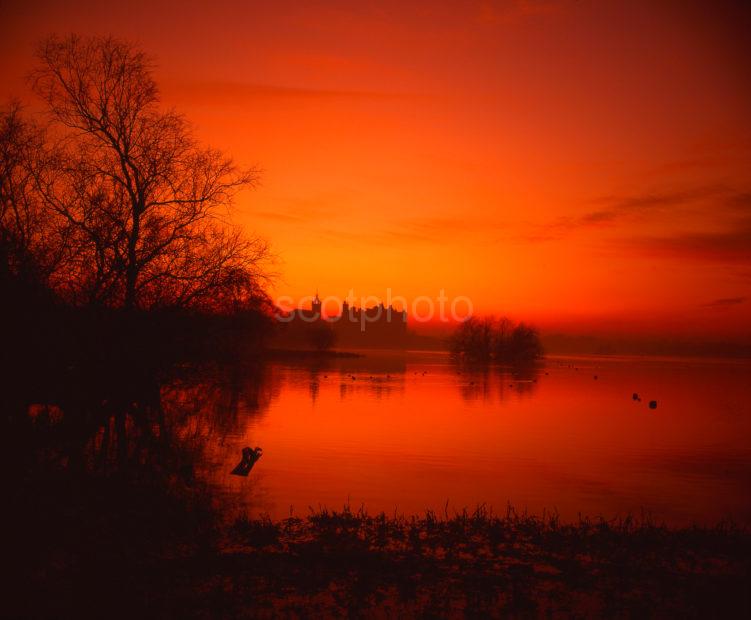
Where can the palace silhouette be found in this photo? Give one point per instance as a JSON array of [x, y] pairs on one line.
[[377, 326]]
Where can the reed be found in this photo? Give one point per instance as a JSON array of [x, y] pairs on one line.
[[474, 561]]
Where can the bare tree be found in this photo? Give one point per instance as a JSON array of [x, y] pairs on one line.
[[24, 229], [143, 206]]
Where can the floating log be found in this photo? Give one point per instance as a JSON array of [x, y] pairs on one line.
[[250, 456]]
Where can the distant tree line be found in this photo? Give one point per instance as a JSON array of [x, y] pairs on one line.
[[109, 201], [490, 339]]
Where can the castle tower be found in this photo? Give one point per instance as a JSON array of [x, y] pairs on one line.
[[317, 307]]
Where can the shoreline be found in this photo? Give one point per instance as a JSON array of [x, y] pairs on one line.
[[304, 354]]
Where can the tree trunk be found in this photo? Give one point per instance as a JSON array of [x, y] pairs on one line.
[[131, 273]]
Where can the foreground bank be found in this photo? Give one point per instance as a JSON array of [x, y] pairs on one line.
[[352, 564]]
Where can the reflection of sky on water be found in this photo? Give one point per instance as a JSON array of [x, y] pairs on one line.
[[410, 432]]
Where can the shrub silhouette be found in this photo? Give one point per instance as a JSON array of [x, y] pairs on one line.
[[322, 336], [489, 339]]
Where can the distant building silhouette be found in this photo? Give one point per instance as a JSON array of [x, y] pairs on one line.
[[316, 306], [377, 326]]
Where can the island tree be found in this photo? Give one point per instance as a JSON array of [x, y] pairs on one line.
[[484, 339]]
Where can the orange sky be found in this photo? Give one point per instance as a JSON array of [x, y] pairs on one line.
[[585, 165]]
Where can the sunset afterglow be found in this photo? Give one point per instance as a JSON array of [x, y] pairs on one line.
[[583, 165], [376, 308]]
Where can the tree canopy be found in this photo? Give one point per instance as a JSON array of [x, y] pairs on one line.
[[113, 197], [501, 340]]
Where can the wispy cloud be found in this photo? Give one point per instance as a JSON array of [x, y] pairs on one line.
[[616, 207], [434, 229], [728, 242], [725, 302], [613, 209], [291, 218], [300, 210], [740, 201], [404, 232], [729, 246]]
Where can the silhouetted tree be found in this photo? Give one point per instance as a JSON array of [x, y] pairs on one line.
[[27, 243], [524, 343], [322, 336], [141, 207], [474, 337], [487, 338], [502, 330]]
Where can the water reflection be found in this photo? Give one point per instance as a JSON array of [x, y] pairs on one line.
[[123, 424], [114, 465], [410, 432], [402, 432], [491, 382]]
